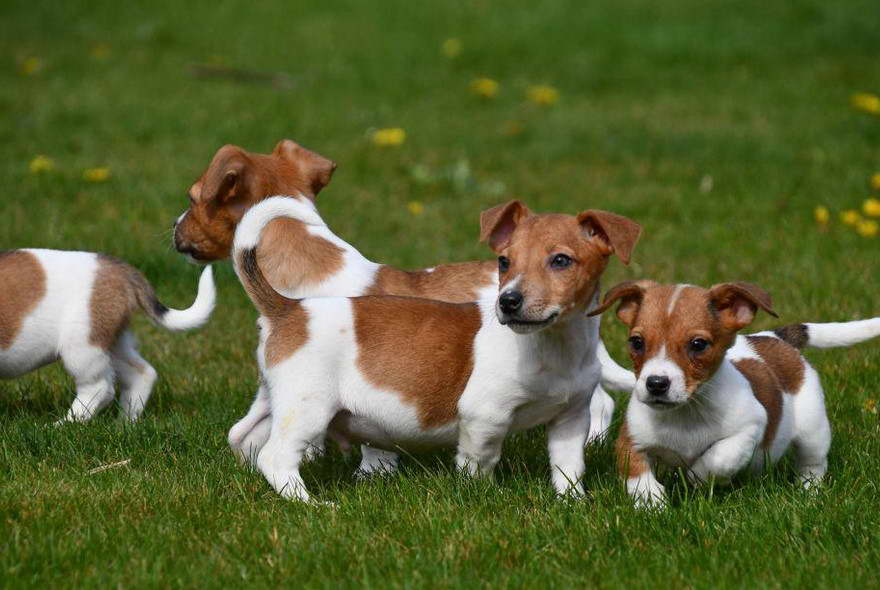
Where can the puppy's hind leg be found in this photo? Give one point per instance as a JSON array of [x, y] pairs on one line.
[[136, 376], [601, 414], [812, 431], [92, 370], [248, 435]]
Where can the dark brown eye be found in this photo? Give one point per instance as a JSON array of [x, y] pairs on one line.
[[560, 261], [503, 263], [698, 345], [636, 344]]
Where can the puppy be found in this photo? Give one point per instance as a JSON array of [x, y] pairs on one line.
[[302, 257], [75, 306], [711, 401], [401, 372]]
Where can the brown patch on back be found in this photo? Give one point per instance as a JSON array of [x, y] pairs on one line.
[[454, 283], [783, 359], [292, 257], [421, 349], [630, 462], [24, 283], [111, 303], [287, 333], [767, 390]]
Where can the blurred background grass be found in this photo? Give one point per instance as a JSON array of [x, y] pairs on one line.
[[718, 125]]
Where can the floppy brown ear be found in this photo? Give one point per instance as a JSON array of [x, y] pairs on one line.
[[315, 169], [224, 179], [618, 233], [736, 303], [630, 294], [497, 224]]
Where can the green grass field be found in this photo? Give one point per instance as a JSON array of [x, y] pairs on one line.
[[719, 126]]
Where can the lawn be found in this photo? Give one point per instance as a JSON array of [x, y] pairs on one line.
[[719, 126]]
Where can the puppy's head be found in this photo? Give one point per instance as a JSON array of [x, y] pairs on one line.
[[549, 265], [234, 181], [679, 334]]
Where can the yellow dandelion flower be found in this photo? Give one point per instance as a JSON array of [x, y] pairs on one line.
[[31, 66], [850, 217], [870, 406], [389, 137], [40, 164], [868, 228], [871, 207], [96, 174], [822, 215], [452, 47], [542, 94], [415, 207], [875, 181], [100, 51], [864, 101], [485, 87]]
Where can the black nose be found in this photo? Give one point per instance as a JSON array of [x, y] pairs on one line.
[[510, 301], [657, 385]]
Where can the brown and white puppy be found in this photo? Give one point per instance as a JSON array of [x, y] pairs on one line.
[[75, 306], [714, 402], [412, 373], [301, 257]]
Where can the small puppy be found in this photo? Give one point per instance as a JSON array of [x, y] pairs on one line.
[[402, 372], [714, 402], [75, 306]]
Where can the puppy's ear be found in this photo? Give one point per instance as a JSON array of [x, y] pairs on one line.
[[497, 224], [737, 303], [630, 295], [615, 233], [225, 177], [315, 169]]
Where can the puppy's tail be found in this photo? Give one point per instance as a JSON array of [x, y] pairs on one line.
[[195, 316], [266, 299], [829, 335], [614, 376]]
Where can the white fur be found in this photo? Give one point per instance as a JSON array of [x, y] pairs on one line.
[[248, 436], [59, 327], [718, 433]]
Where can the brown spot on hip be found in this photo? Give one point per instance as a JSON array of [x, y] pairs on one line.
[[111, 302], [24, 283], [421, 349], [455, 283], [783, 359], [767, 390], [290, 256], [287, 334]]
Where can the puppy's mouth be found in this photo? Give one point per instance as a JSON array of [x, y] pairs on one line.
[[521, 326]]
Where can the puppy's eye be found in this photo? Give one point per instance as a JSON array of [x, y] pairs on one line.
[[561, 261], [698, 345], [636, 344], [503, 263]]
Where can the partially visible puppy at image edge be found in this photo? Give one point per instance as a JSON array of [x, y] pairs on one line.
[[302, 257], [75, 306], [714, 402], [412, 373]]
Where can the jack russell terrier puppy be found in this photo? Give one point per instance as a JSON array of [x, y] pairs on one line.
[[301, 257], [409, 373], [714, 402], [75, 306]]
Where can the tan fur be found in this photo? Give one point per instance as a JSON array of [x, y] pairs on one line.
[[397, 351], [288, 332], [455, 283], [783, 359], [630, 462], [767, 390], [291, 256], [236, 180], [111, 302], [24, 283]]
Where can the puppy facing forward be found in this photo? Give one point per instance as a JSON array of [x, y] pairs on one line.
[[714, 402], [75, 306], [409, 373]]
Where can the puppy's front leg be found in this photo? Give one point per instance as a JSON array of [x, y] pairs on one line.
[[479, 445], [636, 468], [566, 436], [726, 457]]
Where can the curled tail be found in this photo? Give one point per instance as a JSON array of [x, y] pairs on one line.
[[829, 335], [190, 318]]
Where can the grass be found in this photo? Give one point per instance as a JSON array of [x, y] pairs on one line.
[[655, 98]]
